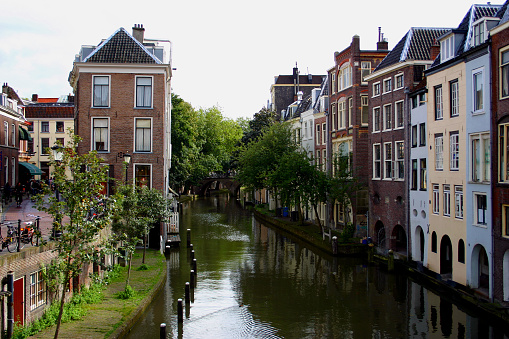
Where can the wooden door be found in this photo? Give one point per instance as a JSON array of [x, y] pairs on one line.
[[19, 301]]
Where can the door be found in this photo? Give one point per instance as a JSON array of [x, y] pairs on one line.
[[19, 301]]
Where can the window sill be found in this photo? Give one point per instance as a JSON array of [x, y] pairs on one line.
[[485, 226], [143, 152], [479, 112], [143, 107], [100, 107]]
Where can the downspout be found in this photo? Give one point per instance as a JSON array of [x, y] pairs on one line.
[[407, 115]]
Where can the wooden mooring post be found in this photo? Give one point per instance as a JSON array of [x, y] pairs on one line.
[[188, 237], [180, 311], [162, 331]]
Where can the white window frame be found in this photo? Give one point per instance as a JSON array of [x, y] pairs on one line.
[[345, 77], [376, 120], [399, 154], [92, 131], [324, 133], [503, 156], [364, 110], [317, 134], [454, 150], [6, 133], [376, 89], [365, 70], [447, 48], [458, 202], [480, 155], [350, 110], [387, 85], [151, 173], [101, 104], [480, 213], [399, 116], [439, 152], [37, 291], [333, 82], [447, 200], [436, 199], [151, 129], [439, 103], [399, 78], [13, 170], [504, 72], [455, 99], [478, 33], [13, 135], [342, 114], [45, 124], [423, 174], [377, 161], [387, 120], [388, 161], [333, 108], [138, 87], [478, 94]]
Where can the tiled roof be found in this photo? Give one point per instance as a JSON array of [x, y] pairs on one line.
[[415, 45], [503, 13], [122, 47], [304, 105], [303, 79], [53, 110]]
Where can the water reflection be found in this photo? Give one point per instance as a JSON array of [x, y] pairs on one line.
[[256, 283]]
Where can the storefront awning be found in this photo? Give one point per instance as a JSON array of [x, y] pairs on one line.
[[34, 170], [23, 134]]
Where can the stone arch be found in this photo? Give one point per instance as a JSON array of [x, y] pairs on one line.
[[479, 268], [419, 244], [399, 239], [445, 255]]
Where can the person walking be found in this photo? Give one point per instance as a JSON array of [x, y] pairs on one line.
[[19, 194]]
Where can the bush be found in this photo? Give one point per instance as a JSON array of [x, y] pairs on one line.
[[128, 293], [143, 267], [348, 232]]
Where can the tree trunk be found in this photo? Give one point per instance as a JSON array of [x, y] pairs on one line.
[[62, 299], [144, 247], [129, 269], [318, 218]]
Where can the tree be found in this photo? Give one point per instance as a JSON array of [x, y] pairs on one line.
[[260, 122], [79, 194]]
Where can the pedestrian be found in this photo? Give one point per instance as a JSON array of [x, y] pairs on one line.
[[7, 193], [19, 194]]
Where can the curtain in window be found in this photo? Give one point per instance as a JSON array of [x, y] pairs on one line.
[[101, 134], [143, 137]]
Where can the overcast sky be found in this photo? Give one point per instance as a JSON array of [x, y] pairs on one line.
[[226, 52]]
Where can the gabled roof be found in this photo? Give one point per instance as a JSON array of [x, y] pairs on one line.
[[415, 45], [503, 13], [122, 47], [475, 13]]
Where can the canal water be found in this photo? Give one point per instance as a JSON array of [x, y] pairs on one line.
[[253, 282]]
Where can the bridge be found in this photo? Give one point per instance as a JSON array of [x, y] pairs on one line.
[[219, 182]]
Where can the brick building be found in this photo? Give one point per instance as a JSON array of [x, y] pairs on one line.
[[122, 106]]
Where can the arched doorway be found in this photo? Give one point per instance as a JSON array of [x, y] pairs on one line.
[[380, 234], [480, 268], [445, 255], [418, 246], [398, 239]]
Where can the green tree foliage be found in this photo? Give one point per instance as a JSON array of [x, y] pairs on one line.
[[260, 122], [78, 195]]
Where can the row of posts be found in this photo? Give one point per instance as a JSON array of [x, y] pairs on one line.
[[189, 288]]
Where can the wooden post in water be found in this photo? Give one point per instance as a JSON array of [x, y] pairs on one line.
[[188, 237], [188, 294], [194, 266], [193, 282], [162, 331], [180, 311], [390, 262], [192, 254], [334, 245]]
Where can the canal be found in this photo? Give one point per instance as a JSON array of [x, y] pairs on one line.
[[255, 283]]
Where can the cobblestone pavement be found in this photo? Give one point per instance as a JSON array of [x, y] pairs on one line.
[[26, 212]]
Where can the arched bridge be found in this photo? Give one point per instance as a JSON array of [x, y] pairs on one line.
[[208, 184]]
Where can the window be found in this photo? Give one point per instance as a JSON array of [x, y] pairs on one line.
[[439, 152], [143, 135], [13, 135], [333, 82], [422, 134], [6, 133], [478, 34], [505, 221], [44, 146], [324, 159], [144, 92], [387, 117], [376, 89], [458, 202], [318, 134], [447, 200], [364, 110], [342, 114], [319, 159], [365, 70], [305, 130], [439, 110], [481, 157], [455, 100], [414, 136], [504, 74], [461, 251], [436, 198], [350, 109], [100, 134], [423, 175], [399, 114], [376, 119], [142, 175], [101, 91], [414, 174], [377, 161], [477, 95], [60, 141], [398, 79], [45, 126], [6, 170], [419, 73], [13, 170], [455, 151], [387, 160], [503, 132], [447, 49], [434, 242], [324, 132], [60, 127], [344, 77], [480, 201], [36, 290], [333, 117], [400, 159], [387, 85]]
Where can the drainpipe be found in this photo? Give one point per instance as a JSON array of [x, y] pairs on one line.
[[407, 115]]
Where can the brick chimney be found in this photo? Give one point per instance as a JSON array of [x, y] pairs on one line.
[[434, 50], [35, 97], [382, 44], [138, 32]]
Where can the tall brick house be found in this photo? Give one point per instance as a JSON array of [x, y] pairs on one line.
[[499, 154], [400, 72], [347, 124], [122, 105]]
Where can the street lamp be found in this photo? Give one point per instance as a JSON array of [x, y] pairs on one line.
[[127, 160], [58, 153]]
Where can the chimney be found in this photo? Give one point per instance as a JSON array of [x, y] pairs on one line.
[[382, 44], [299, 96], [138, 32], [434, 50], [35, 97], [5, 88]]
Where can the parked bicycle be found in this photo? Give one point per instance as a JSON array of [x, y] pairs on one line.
[[27, 234], [10, 240]]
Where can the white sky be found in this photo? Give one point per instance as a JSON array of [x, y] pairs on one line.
[[226, 52]]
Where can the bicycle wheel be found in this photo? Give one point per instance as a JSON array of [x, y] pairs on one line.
[[12, 244], [33, 241]]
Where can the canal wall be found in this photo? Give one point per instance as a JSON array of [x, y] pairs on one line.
[[448, 289]]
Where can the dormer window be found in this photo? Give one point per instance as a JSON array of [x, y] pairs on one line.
[[447, 48], [479, 34]]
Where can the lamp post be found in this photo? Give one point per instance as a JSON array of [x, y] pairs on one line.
[[58, 153], [127, 160]]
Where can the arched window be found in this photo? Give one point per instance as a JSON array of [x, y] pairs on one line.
[[461, 251], [434, 242]]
